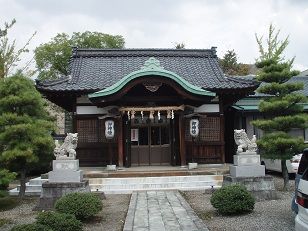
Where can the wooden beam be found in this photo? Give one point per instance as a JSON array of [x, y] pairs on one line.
[[161, 108]]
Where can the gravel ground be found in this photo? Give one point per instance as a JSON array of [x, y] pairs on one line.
[[267, 216], [22, 214], [111, 218]]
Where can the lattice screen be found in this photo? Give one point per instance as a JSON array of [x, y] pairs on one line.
[[87, 130], [93, 130], [209, 129]]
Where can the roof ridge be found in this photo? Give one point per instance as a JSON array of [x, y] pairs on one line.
[[142, 49], [95, 52]]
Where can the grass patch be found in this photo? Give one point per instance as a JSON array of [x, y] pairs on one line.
[[4, 221], [7, 203]]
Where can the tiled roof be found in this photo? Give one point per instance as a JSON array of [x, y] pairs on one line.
[[304, 73], [96, 69], [251, 102], [295, 79]]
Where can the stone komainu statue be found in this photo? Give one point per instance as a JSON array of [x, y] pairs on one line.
[[67, 149], [243, 142]]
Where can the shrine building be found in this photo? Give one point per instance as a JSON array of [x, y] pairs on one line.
[[139, 107]]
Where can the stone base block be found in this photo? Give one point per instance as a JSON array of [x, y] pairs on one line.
[[65, 164], [53, 191], [247, 171], [262, 188], [192, 165], [251, 159], [111, 167], [65, 176]]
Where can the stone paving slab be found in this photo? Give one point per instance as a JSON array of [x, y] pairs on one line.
[[161, 211]]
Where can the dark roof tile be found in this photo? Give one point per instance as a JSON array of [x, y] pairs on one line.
[[294, 79], [96, 69]]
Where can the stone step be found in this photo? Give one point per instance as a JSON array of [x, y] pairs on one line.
[[154, 173], [155, 185], [145, 180], [37, 181], [129, 191], [127, 185], [34, 184], [29, 192], [133, 187], [32, 187], [130, 184]]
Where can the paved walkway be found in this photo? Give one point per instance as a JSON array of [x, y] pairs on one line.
[[159, 211]]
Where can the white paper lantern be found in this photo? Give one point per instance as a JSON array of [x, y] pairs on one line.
[[109, 129], [194, 127]]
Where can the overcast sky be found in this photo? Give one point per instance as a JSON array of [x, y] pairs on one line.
[[227, 24]]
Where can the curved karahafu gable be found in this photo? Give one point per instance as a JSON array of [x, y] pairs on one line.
[[152, 68]]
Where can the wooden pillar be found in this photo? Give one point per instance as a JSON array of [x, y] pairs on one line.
[[222, 137], [127, 142], [172, 142], [120, 142], [182, 139], [222, 132]]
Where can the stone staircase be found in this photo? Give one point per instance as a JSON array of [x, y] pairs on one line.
[[129, 184], [125, 182]]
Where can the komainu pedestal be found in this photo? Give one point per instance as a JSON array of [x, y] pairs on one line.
[[262, 188], [66, 177], [247, 169], [52, 191], [65, 171], [247, 165]]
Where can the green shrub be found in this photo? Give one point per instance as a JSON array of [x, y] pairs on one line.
[[31, 227], [82, 205], [3, 193], [233, 199], [5, 178], [7, 203], [59, 221]]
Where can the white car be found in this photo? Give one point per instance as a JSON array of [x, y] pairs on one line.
[[301, 220], [275, 165]]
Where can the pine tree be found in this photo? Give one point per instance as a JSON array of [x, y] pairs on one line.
[[230, 66], [25, 127], [282, 106]]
